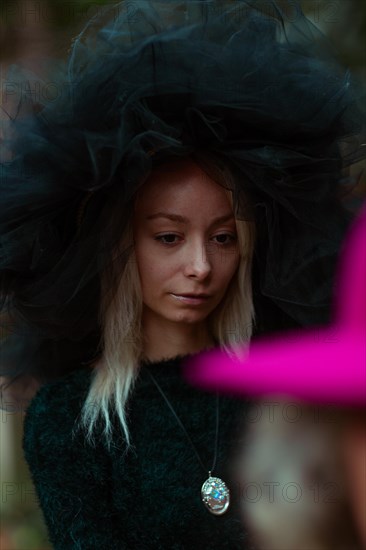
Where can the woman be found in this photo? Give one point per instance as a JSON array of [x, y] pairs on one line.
[[170, 108], [178, 251]]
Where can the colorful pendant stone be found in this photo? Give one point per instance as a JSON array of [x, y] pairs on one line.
[[215, 495]]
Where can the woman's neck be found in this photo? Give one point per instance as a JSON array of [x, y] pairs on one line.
[[170, 341]]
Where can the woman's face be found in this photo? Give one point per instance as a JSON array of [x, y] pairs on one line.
[[185, 243]]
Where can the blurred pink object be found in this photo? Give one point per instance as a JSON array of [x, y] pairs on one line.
[[324, 364]]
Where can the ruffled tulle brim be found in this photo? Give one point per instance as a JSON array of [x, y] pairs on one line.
[[240, 81]]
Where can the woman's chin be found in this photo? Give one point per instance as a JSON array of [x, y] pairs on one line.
[[190, 318]]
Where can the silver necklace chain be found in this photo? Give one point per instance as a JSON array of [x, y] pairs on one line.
[[214, 492], [185, 431]]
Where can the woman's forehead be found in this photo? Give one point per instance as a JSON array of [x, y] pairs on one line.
[[183, 190], [176, 170]]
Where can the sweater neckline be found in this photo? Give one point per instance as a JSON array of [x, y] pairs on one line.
[[168, 362]]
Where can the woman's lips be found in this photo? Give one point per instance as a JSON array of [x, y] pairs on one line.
[[192, 300]]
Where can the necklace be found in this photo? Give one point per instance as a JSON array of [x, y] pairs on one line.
[[214, 491]]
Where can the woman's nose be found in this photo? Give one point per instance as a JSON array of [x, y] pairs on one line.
[[198, 262]]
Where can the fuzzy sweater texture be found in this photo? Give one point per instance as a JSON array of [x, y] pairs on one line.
[[150, 497]]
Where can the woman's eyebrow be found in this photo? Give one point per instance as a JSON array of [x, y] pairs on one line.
[[182, 219]]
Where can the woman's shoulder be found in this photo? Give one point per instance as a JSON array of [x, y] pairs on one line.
[[66, 388], [57, 404]]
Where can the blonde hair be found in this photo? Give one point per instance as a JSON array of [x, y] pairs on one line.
[[113, 379]]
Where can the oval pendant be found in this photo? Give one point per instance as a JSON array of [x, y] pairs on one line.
[[215, 495]]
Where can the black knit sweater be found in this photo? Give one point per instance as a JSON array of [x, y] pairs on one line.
[[148, 498]]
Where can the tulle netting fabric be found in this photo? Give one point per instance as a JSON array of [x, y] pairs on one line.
[[254, 84]]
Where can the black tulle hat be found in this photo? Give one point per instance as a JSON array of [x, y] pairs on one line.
[[253, 84]]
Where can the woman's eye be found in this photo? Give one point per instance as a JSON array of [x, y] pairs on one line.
[[168, 238], [225, 238]]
